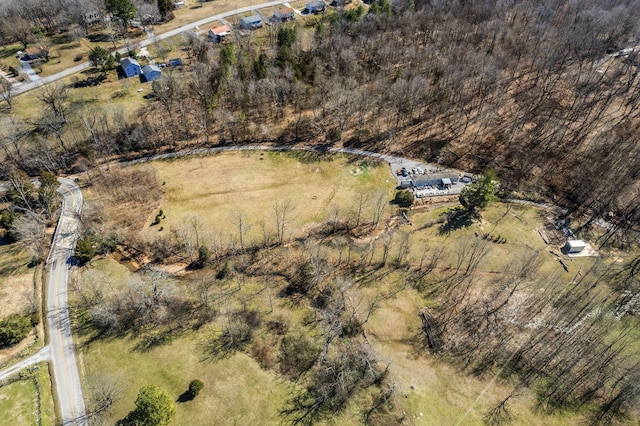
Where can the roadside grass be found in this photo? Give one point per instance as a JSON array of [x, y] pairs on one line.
[[18, 403], [236, 391], [16, 279], [251, 183], [28, 401]]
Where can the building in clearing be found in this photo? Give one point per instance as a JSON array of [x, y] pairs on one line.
[[218, 34], [33, 53], [284, 14], [130, 67], [251, 22], [315, 6], [151, 73], [574, 246]]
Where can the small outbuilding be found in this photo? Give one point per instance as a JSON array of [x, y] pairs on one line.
[[130, 68], [34, 53], [315, 6], [284, 14], [574, 246], [151, 73], [251, 22], [218, 34]]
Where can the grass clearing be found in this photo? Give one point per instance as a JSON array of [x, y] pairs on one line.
[[252, 182], [237, 390]]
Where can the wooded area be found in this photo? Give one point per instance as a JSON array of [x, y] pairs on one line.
[[537, 91]]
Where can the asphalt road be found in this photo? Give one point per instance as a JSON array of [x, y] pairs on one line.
[[43, 354], [25, 87], [63, 356]]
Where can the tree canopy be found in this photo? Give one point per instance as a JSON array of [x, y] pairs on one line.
[[123, 9], [154, 407], [13, 329], [101, 58], [478, 195]]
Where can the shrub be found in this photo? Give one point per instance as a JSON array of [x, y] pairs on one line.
[[404, 198], [297, 354], [78, 57], [154, 407], [334, 134], [84, 251], [264, 353], [13, 329], [195, 387]]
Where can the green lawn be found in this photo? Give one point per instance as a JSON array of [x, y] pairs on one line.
[[28, 401]]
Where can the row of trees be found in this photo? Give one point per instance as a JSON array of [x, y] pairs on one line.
[[28, 21]]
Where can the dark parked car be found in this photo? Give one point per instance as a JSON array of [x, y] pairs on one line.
[[177, 62]]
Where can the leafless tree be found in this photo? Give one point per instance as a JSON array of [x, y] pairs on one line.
[[242, 226], [283, 211], [6, 91]]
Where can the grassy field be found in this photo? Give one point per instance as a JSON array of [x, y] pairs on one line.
[[115, 93], [429, 391], [251, 183], [237, 390], [28, 401]]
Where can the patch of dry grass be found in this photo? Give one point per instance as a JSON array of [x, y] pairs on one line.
[[217, 188], [16, 280], [123, 198]]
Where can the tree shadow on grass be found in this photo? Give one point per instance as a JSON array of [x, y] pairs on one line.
[[154, 340], [186, 396], [457, 218], [227, 342]]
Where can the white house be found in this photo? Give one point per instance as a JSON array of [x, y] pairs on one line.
[[574, 246]]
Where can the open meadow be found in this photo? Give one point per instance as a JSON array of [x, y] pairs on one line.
[[335, 282], [218, 189]]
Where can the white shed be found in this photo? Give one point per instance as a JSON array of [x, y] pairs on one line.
[[574, 246]]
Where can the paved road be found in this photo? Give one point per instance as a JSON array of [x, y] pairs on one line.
[[43, 354], [65, 368], [17, 90]]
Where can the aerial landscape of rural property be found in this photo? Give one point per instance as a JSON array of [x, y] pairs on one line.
[[347, 212]]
